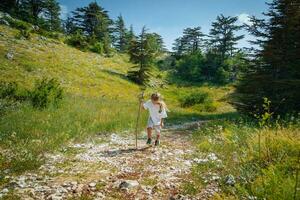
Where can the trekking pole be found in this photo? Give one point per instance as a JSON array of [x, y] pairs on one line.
[[138, 119]]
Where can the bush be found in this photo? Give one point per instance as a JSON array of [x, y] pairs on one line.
[[194, 98], [78, 40], [12, 91], [189, 68], [19, 24], [97, 48], [50, 34], [7, 105], [46, 92], [222, 76], [207, 106], [23, 34]]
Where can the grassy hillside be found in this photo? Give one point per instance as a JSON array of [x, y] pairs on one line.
[[84, 74], [97, 98]]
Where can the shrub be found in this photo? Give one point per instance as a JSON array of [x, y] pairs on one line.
[[194, 98], [78, 40], [10, 96], [19, 24], [274, 184], [222, 76], [45, 93], [189, 68], [208, 106], [23, 34], [97, 48], [7, 105], [50, 34], [12, 91]]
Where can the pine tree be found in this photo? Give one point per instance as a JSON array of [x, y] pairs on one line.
[[51, 15], [93, 20], [69, 26], [275, 73], [157, 42], [222, 36], [31, 10], [10, 6], [190, 42], [130, 37], [44, 13], [178, 47], [142, 53], [120, 34], [192, 38]]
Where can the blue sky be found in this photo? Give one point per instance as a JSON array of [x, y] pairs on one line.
[[170, 17]]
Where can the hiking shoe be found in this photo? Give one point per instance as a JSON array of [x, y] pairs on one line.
[[157, 142], [149, 141]]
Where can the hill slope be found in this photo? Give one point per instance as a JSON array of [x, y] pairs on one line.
[[81, 73]]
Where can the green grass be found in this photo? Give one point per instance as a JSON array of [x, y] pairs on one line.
[[267, 171], [38, 131]]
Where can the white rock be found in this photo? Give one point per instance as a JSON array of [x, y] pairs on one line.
[[74, 183], [54, 197], [10, 56], [99, 196], [212, 156], [200, 160], [5, 190], [92, 184], [230, 180], [128, 184]]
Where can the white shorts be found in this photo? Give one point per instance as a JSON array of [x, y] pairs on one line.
[[150, 124]]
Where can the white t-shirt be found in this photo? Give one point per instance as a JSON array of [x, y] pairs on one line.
[[154, 112]]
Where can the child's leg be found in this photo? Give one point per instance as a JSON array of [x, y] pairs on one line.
[[157, 135], [149, 132], [157, 130]]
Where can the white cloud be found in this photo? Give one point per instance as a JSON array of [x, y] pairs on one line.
[[63, 11], [244, 18]]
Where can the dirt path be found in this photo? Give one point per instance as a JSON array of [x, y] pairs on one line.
[[110, 168]]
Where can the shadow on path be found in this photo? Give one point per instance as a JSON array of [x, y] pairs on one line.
[[113, 153]]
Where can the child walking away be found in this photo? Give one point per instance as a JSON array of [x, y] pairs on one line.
[[157, 112]]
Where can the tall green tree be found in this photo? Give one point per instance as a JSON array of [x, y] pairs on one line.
[[52, 15], [223, 38], [178, 47], [142, 53], [93, 20], [275, 73], [193, 38], [130, 34], [32, 9], [94, 23], [10, 6], [44, 13], [158, 42], [69, 26], [190, 42], [130, 38], [120, 34]]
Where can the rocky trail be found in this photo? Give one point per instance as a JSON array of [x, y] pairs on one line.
[[108, 167]]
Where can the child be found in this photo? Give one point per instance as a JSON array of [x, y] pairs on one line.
[[157, 112]]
